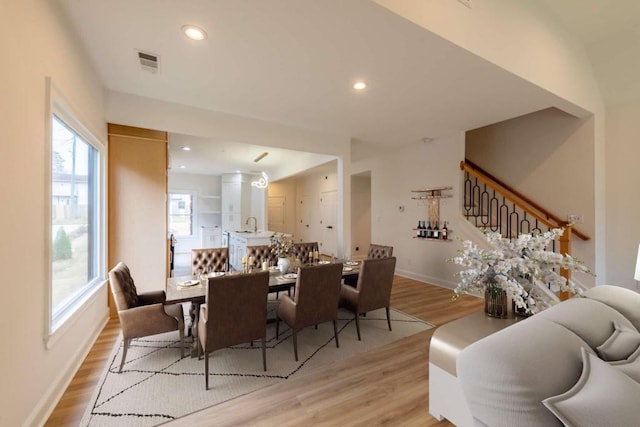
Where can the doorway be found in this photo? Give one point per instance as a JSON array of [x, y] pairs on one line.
[[360, 215]]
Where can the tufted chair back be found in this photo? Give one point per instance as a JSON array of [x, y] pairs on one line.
[[261, 253], [214, 258], [301, 251], [123, 288], [379, 251]]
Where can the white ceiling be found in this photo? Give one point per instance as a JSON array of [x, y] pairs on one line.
[[293, 62], [610, 31]]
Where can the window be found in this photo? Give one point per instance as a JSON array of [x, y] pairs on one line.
[[181, 214], [76, 250]]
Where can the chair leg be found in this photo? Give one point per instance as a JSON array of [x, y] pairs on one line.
[[388, 318], [277, 294], [358, 326], [316, 326], [335, 333], [251, 343], [295, 344], [206, 371], [182, 343], [264, 354], [125, 347], [277, 327]]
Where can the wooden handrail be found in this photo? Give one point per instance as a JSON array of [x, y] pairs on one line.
[[546, 217]]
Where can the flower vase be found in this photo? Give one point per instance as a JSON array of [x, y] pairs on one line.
[[495, 302], [284, 265]]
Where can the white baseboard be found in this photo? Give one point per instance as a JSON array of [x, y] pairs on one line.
[[43, 409], [426, 279]]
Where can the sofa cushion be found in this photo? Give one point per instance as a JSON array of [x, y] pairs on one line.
[[602, 396], [630, 366], [621, 299], [587, 318], [620, 345], [506, 375]]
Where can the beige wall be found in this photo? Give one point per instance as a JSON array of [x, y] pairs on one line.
[[623, 193], [549, 157], [35, 43]]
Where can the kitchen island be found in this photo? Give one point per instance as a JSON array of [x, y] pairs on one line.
[[238, 242]]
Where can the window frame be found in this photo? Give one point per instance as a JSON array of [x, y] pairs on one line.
[[58, 323]]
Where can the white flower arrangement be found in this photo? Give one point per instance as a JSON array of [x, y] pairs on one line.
[[523, 267]]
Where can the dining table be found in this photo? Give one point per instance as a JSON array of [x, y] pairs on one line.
[[181, 289]]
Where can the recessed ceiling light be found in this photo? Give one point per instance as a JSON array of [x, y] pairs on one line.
[[183, 167], [194, 33], [360, 85], [185, 148]]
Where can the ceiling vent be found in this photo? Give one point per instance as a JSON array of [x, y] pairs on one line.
[[149, 62]]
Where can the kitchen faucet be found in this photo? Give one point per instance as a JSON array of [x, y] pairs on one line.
[[255, 223]]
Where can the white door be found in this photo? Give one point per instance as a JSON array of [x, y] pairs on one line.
[[306, 224], [328, 215]]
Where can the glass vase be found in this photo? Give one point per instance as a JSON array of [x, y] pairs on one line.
[[495, 302]]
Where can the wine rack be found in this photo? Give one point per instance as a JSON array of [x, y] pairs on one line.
[[430, 229]]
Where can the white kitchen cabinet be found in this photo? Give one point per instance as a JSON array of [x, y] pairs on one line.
[[235, 201], [211, 237]]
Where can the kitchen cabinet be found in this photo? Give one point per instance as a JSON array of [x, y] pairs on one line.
[[238, 242], [235, 201]]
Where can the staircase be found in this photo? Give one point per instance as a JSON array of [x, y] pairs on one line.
[[492, 205]]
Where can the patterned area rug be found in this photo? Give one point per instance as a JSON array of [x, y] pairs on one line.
[[157, 386]]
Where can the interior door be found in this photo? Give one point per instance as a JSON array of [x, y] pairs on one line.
[[328, 215], [306, 224]]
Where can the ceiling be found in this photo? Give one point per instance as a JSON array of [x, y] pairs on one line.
[[294, 62]]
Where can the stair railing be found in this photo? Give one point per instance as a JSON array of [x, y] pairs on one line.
[[490, 204]]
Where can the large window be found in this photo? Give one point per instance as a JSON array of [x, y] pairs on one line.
[[181, 214], [76, 229]]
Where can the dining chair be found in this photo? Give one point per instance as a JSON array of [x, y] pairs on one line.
[[375, 252], [235, 312], [142, 314], [301, 251], [372, 291], [315, 300], [261, 253], [209, 259]]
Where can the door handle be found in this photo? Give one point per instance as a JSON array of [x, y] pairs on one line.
[[330, 227]]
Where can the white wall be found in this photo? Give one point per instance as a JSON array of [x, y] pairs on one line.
[[393, 175], [36, 43], [623, 193], [549, 157]]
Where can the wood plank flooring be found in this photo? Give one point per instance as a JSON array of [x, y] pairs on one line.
[[386, 386]]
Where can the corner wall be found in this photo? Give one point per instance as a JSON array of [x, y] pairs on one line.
[[623, 195], [36, 43]]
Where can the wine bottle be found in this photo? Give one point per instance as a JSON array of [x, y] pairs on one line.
[[436, 231], [444, 233], [419, 232], [429, 231]]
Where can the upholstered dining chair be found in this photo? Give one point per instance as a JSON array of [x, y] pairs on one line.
[[213, 259], [315, 301], [235, 312], [301, 251], [372, 291], [379, 251], [142, 314], [375, 252], [261, 253]]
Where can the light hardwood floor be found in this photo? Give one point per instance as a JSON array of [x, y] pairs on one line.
[[386, 386]]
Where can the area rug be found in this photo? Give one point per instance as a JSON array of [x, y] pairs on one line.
[[156, 385]]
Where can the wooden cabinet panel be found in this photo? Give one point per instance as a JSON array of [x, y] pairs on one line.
[[137, 204]]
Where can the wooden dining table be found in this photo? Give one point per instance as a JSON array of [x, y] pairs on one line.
[[177, 292]]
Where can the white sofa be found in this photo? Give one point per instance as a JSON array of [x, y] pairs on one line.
[[549, 370]]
